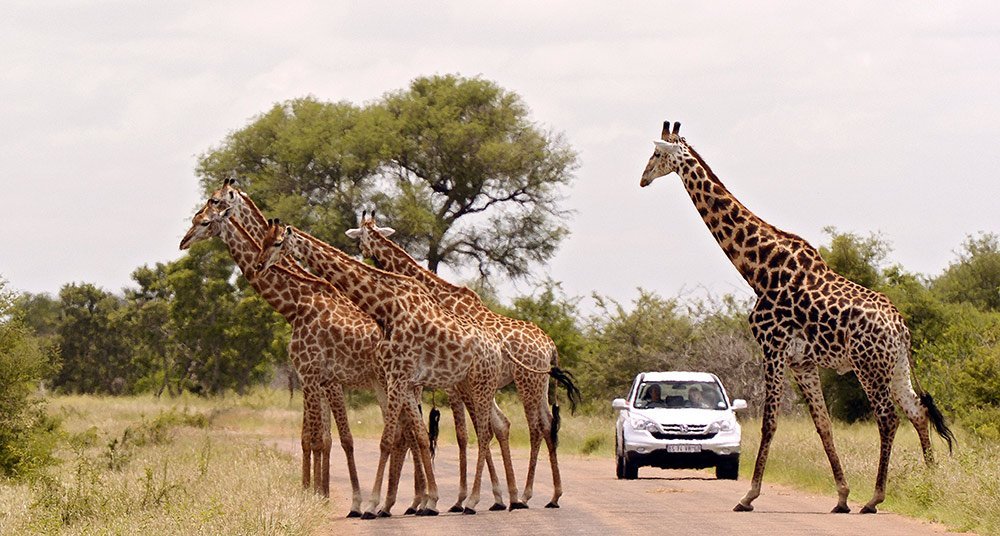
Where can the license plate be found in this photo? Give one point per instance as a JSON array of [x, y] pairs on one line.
[[683, 448]]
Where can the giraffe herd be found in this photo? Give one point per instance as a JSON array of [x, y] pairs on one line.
[[397, 328], [354, 325]]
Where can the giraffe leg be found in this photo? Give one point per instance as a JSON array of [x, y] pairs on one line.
[[484, 435], [338, 407], [550, 445], [494, 481], [774, 375], [888, 422], [538, 424], [410, 406], [808, 381], [396, 460], [310, 428], [462, 437], [393, 408], [419, 483], [326, 447], [501, 428]]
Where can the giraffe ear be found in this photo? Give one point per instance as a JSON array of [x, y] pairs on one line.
[[667, 147], [385, 231], [288, 231], [353, 234]]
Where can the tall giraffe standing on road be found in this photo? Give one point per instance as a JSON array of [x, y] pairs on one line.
[[424, 346], [333, 343], [807, 316], [530, 354]]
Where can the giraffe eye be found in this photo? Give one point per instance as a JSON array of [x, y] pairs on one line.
[[277, 244]]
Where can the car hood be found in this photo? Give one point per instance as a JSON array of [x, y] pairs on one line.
[[682, 415]]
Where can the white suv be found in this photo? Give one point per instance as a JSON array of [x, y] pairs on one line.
[[677, 420]]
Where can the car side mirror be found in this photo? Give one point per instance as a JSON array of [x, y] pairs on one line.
[[739, 404], [619, 404]]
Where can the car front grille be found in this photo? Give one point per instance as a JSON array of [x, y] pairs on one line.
[[684, 431], [661, 435]]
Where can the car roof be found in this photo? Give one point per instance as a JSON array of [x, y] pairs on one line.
[[678, 376]]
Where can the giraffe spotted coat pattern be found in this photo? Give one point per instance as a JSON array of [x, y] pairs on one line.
[[806, 316]]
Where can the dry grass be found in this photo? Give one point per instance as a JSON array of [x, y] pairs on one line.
[[137, 465], [963, 491]]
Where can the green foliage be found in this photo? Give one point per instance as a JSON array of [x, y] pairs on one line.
[[557, 315], [27, 433], [212, 333], [623, 343], [855, 257], [454, 163], [95, 357], [975, 276]]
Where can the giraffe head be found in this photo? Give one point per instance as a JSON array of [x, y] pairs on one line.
[[233, 197], [206, 223], [279, 241], [365, 234], [668, 152]]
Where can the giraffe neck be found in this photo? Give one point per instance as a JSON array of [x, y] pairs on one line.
[[391, 257], [369, 288], [251, 217], [280, 288], [765, 256]]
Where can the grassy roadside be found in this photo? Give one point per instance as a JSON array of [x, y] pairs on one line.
[[190, 465], [137, 465]]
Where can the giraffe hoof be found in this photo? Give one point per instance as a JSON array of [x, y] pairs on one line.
[[869, 510], [427, 512], [383, 513], [740, 507], [410, 511], [518, 506], [498, 507], [469, 512], [841, 509], [456, 509], [353, 513], [552, 505], [367, 515]]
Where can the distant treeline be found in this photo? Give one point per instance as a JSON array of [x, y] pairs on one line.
[[194, 325]]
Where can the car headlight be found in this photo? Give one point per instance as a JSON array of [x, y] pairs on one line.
[[642, 423], [720, 426]]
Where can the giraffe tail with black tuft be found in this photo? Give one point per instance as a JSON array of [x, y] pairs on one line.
[[937, 419], [933, 413], [434, 428]]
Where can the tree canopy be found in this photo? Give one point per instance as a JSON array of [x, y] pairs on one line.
[[454, 164]]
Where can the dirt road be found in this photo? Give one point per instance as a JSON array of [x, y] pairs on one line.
[[594, 502]]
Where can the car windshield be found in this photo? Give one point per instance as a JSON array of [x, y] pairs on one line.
[[686, 394]]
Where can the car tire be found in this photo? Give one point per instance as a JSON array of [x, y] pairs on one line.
[[630, 469], [729, 469], [620, 467]]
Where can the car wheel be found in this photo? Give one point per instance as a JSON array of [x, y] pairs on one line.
[[620, 467], [630, 469], [728, 470]]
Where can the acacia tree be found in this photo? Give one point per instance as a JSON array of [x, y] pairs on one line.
[[454, 164], [476, 182]]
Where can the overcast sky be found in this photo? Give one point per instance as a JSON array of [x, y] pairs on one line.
[[868, 116]]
